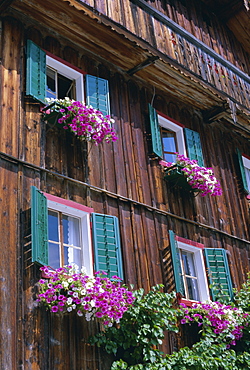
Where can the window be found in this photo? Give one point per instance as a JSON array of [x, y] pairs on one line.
[[190, 275], [69, 239], [61, 235], [63, 81], [169, 137], [244, 164], [172, 137], [49, 76]]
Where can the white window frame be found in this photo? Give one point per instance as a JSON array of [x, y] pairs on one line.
[[200, 270], [68, 72], [246, 164], [178, 129], [85, 237]]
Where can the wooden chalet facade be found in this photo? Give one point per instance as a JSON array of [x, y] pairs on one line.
[[167, 69]]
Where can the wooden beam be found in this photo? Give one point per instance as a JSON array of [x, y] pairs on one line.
[[142, 65]]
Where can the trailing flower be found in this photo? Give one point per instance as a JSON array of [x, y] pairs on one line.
[[222, 322], [84, 121], [65, 290], [200, 178]]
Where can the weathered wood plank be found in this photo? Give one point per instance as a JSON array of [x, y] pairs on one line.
[[8, 276], [10, 86]]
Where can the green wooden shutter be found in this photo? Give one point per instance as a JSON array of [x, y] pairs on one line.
[[97, 91], [35, 71], [242, 172], [39, 227], [176, 264], [218, 273], [106, 239], [155, 132], [194, 146]]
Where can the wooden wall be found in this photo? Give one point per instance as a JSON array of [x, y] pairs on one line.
[[131, 187]]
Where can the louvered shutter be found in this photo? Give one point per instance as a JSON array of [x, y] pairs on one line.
[[35, 71], [97, 94], [193, 143], [39, 227], [176, 264], [106, 240], [155, 132], [242, 172], [218, 273]]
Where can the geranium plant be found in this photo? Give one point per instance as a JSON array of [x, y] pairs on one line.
[[65, 290], [221, 322], [201, 179], [85, 122]]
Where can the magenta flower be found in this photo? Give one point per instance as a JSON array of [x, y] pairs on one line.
[[200, 178], [85, 122], [54, 308], [226, 322], [64, 290], [99, 314]]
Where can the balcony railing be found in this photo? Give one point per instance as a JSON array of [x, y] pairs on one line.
[[197, 57], [170, 39]]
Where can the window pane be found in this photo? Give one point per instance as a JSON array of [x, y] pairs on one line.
[[169, 145], [72, 255], [169, 157], [189, 275], [65, 87], [51, 83], [71, 230], [54, 255], [53, 226], [188, 263], [192, 289], [169, 142]]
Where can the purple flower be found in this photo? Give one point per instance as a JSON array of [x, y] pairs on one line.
[[54, 308], [99, 314]]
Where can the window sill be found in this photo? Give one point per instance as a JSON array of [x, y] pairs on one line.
[[187, 302]]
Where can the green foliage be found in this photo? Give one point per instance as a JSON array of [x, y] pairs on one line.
[[142, 328], [242, 298], [135, 341], [205, 355]]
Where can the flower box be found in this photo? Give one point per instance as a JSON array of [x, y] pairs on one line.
[[86, 122], [52, 113], [175, 176], [66, 290], [189, 176]]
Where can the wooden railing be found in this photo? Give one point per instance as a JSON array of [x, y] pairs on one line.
[[199, 58], [170, 39]]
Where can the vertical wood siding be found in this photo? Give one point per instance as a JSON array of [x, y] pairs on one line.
[[43, 341]]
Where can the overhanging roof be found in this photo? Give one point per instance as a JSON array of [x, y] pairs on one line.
[[79, 23]]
